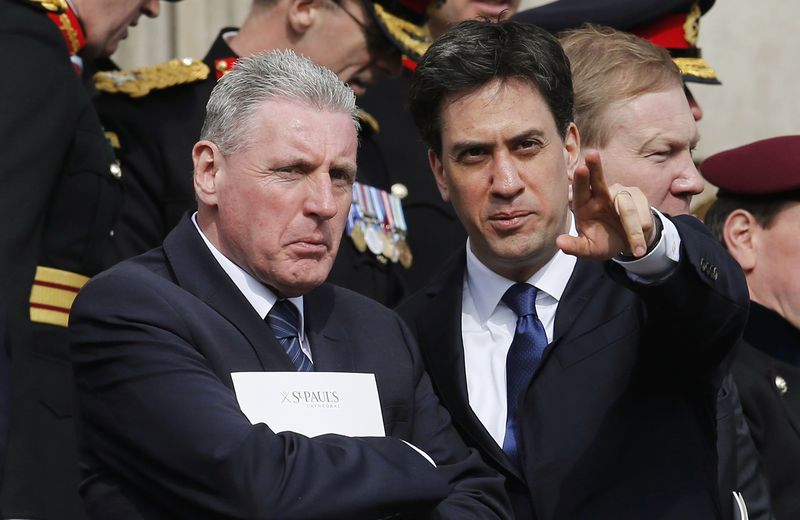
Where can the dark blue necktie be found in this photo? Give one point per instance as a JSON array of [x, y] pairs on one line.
[[284, 319], [522, 360]]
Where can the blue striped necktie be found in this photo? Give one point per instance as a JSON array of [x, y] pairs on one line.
[[523, 358], [284, 319]]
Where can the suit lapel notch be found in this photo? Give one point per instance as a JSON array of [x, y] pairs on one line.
[[197, 271]]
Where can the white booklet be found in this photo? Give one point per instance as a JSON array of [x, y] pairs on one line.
[[311, 403]]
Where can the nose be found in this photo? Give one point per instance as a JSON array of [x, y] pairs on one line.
[[151, 8], [697, 112], [688, 182], [321, 198], [505, 176], [389, 63]]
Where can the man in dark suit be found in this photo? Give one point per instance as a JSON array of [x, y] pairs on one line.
[[156, 339], [60, 194], [756, 217], [156, 113], [568, 349]]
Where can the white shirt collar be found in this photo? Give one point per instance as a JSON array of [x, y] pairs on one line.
[[260, 297], [488, 287]]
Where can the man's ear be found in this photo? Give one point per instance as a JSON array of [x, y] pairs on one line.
[[572, 153], [572, 150], [207, 163], [302, 14], [740, 232], [437, 167]]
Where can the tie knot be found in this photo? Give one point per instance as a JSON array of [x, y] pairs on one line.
[[521, 298], [284, 319]]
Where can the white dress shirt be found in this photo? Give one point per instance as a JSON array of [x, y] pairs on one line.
[[487, 324], [260, 297]]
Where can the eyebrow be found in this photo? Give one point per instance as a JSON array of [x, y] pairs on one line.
[[670, 140], [459, 146]]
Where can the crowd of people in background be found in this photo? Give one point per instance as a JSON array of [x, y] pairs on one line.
[[569, 342]]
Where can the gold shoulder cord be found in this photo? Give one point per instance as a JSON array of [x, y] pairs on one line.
[[141, 81]]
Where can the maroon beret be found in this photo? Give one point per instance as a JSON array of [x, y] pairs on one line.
[[764, 167]]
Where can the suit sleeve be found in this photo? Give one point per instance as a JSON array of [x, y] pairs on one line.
[[702, 303], [476, 491], [152, 413]]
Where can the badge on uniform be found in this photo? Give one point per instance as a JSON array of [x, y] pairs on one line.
[[376, 223]]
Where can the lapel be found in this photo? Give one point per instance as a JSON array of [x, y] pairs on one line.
[[197, 271], [332, 351], [440, 333], [581, 287]]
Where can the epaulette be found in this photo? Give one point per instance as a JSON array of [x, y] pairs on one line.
[[53, 6], [140, 82], [368, 122]]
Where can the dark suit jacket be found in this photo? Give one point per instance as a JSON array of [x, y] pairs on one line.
[[618, 423], [156, 135], [60, 199], [155, 340], [767, 370]]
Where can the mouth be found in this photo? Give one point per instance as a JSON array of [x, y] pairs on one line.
[[506, 221], [358, 87], [310, 246]]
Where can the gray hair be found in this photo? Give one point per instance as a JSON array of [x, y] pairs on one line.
[[277, 74]]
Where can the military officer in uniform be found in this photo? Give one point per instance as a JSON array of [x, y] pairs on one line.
[[61, 191], [757, 217], [156, 114]]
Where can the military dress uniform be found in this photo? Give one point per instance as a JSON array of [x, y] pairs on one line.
[[156, 114], [436, 232], [60, 194], [759, 178], [767, 370]]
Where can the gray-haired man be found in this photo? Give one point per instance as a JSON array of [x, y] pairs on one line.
[[156, 339]]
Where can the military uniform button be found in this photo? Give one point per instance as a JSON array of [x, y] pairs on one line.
[[111, 233], [399, 190], [115, 170], [780, 384]]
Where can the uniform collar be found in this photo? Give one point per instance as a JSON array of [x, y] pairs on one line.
[[221, 57], [770, 333]]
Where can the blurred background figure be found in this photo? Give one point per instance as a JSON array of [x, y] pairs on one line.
[[60, 195], [156, 113], [434, 230], [757, 217]]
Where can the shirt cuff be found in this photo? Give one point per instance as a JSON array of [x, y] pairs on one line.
[[427, 457], [661, 261]]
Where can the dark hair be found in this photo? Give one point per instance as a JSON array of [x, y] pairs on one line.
[[475, 53], [764, 209]]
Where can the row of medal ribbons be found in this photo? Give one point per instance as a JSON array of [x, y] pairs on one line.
[[376, 224]]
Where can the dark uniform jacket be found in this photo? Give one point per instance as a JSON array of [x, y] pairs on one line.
[[619, 420], [156, 133], [435, 232], [767, 371], [59, 193]]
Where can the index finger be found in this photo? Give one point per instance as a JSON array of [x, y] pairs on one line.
[[631, 223], [597, 180]]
